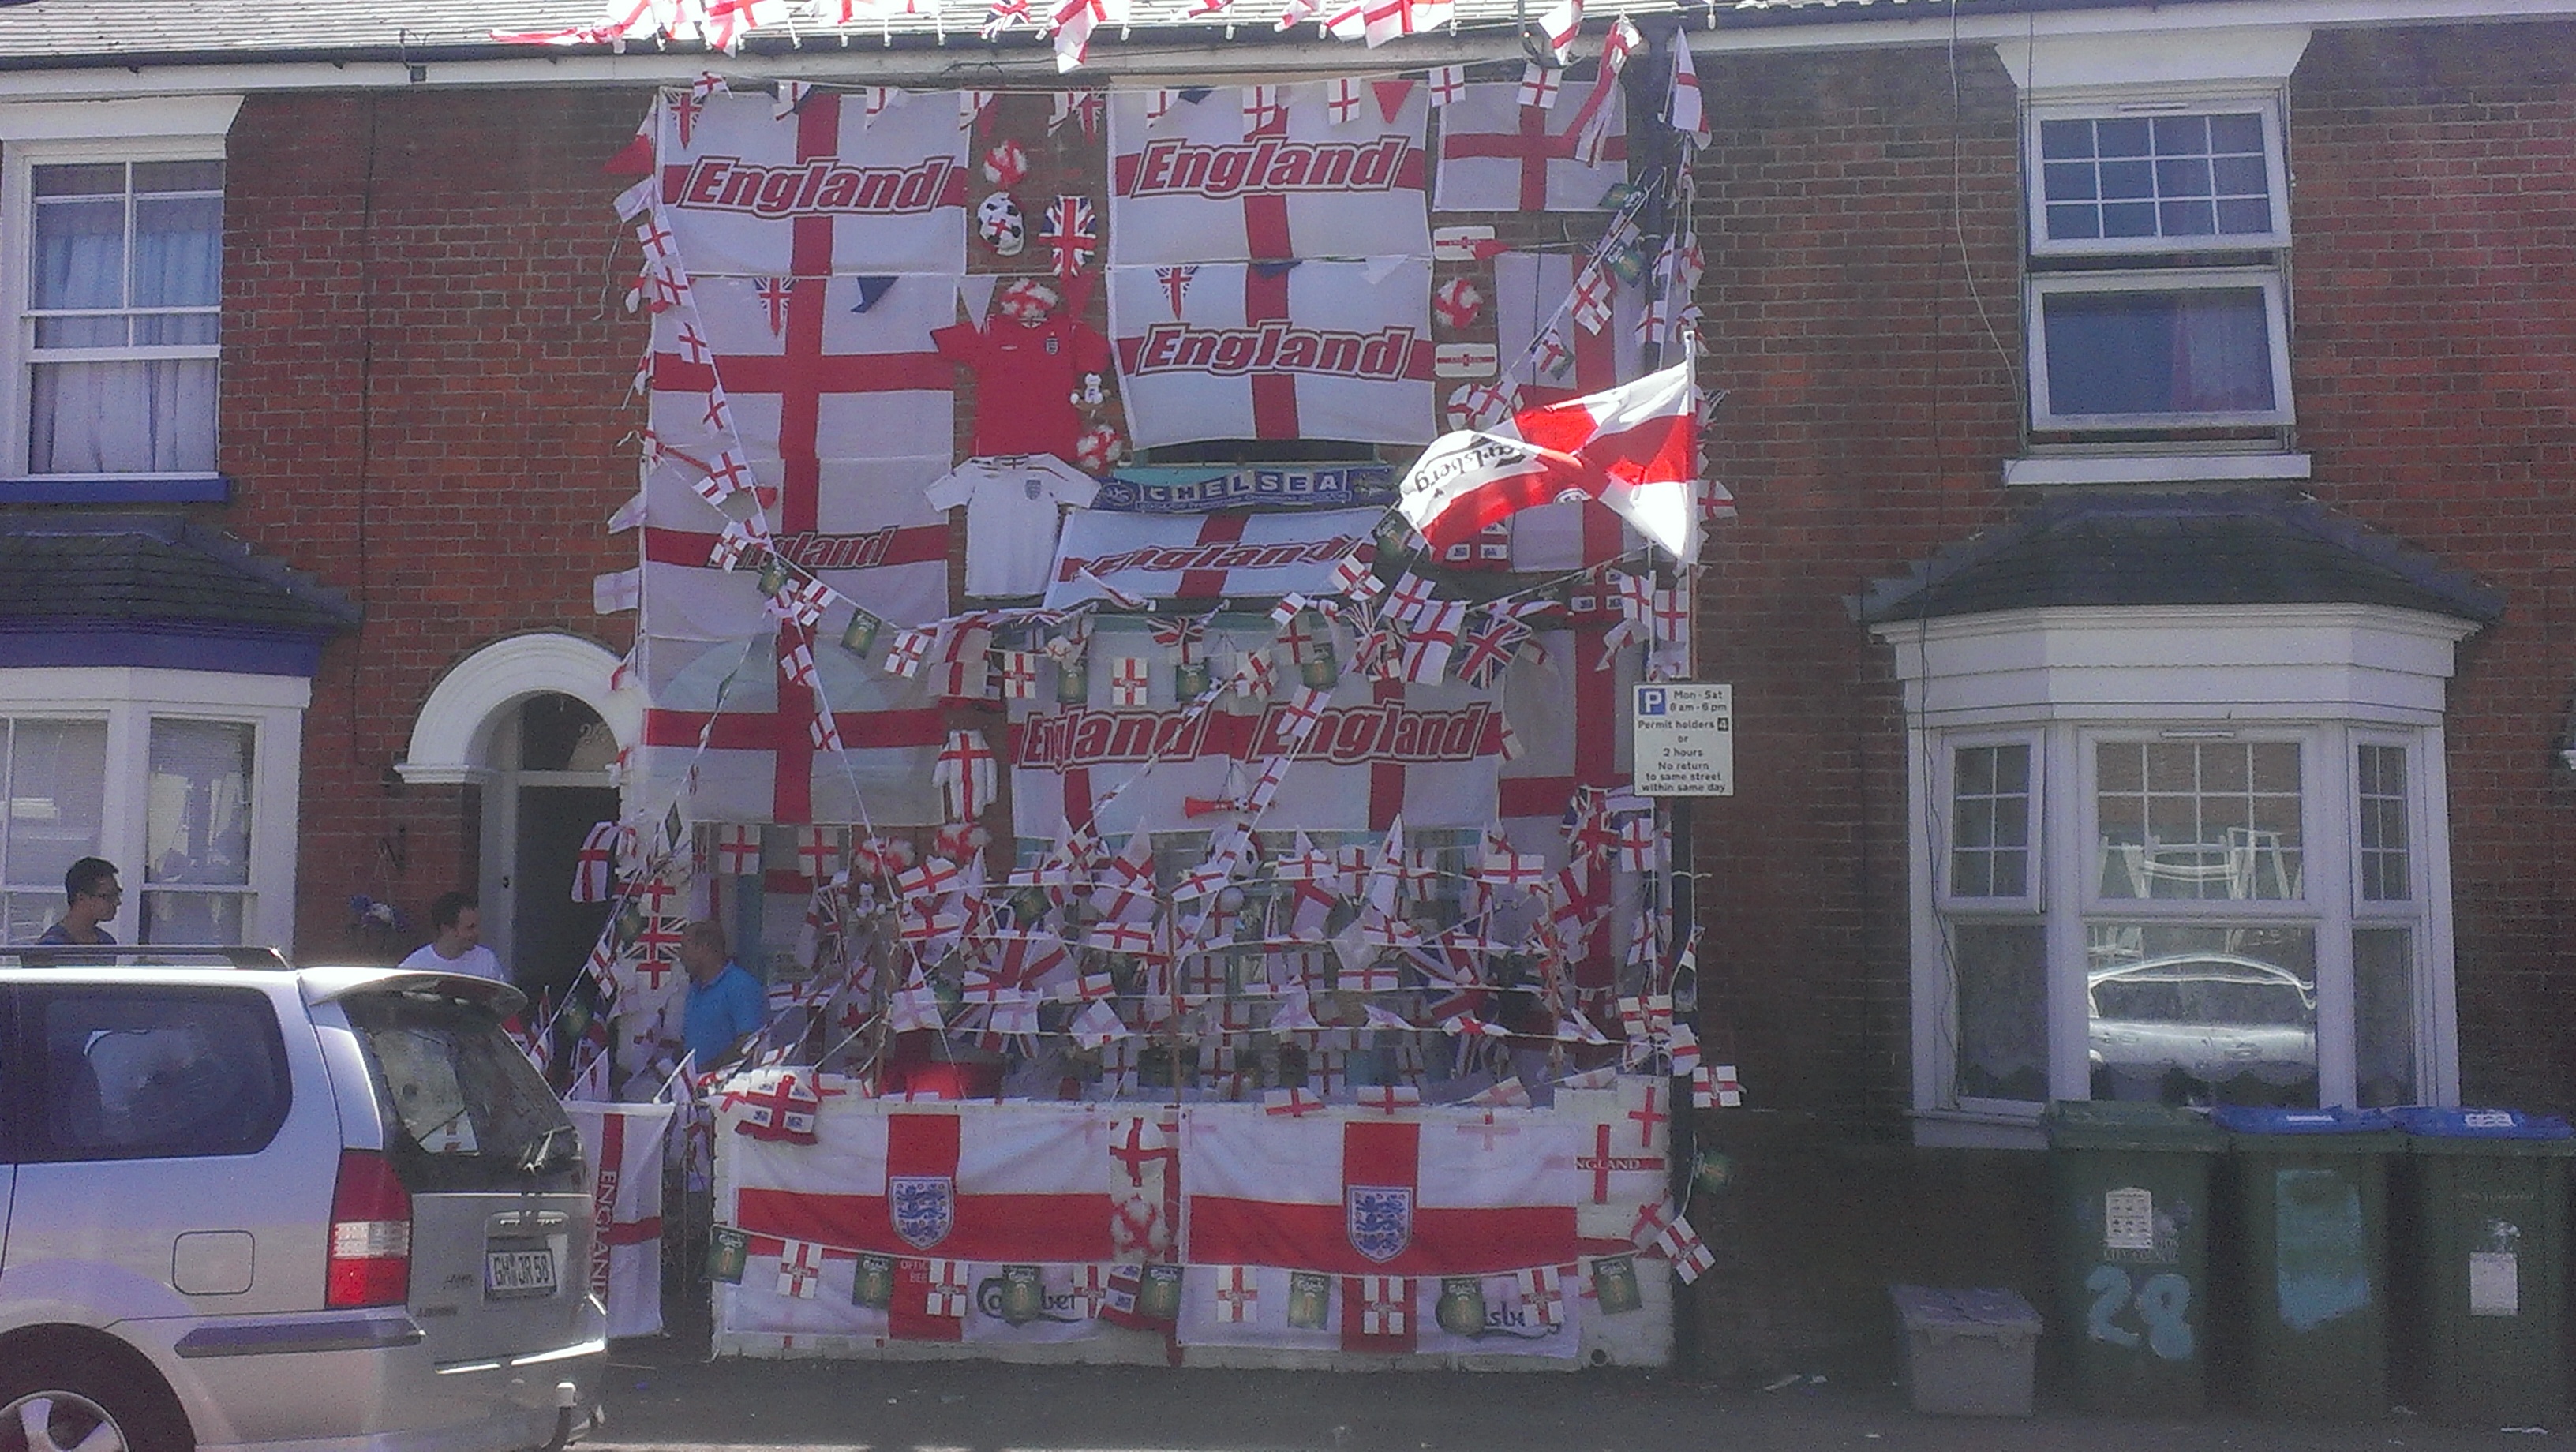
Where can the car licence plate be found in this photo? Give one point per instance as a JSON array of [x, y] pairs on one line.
[[514, 1271]]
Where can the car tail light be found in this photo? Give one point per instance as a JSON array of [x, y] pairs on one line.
[[370, 1263]]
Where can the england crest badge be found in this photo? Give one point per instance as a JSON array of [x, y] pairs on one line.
[[924, 1208], [1378, 1219]]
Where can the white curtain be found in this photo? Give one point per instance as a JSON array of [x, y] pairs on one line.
[[126, 416]]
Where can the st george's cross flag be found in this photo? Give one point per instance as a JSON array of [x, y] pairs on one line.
[[1532, 293], [1018, 1184], [848, 372], [622, 1144], [1374, 1202], [826, 190], [1200, 185], [1634, 448], [1304, 350], [1497, 155]]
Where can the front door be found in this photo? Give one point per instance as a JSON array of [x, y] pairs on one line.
[[550, 934]]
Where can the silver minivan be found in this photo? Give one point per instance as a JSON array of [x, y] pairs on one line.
[[249, 1206]]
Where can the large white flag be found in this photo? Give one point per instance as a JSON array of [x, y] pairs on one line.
[[622, 1144], [828, 189], [1199, 184]]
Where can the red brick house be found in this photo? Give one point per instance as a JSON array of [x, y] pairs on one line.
[[2150, 428]]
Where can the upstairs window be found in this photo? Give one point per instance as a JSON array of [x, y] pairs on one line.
[[2156, 300], [118, 324]]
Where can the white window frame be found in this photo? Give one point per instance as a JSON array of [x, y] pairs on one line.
[[2034, 896], [2042, 285], [130, 698], [2276, 175], [51, 133], [2332, 676]]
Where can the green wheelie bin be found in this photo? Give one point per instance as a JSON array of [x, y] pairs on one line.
[[2302, 1269], [2482, 1251], [2131, 1251]]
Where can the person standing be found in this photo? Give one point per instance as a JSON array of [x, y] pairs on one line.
[[726, 1006], [92, 888], [458, 920]]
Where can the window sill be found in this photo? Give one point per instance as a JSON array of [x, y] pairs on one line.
[[1965, 1129], [117, 489], [2084, 469]]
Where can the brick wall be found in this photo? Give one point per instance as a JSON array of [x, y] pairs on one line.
[[2434, 352], [424, 357]]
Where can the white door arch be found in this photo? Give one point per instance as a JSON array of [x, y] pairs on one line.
[[465, 736]]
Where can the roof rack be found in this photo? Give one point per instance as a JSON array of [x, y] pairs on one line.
[[140, 955]]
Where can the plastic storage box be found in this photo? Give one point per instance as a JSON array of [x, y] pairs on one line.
[[1967, 1353]]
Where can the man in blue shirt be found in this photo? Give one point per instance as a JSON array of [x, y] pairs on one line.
[[726, 1006]]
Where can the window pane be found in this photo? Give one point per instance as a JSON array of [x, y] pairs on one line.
[[2384, 876], [57, 785], [2202, 1014], [2383, 1015], [153, 417], [2213, 819], [173, 1072], [178, 176], [2183, 351], [88, 179], [80, 255], [2003, 1010], [197, 825], [196, 917], [1990, 821], [2171, 176], [178, 242]]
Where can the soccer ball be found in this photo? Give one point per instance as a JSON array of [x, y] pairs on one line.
[[1001, 227]]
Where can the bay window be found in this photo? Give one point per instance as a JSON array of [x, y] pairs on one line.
[[2198, 884]]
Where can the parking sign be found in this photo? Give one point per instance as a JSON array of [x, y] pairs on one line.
[[1684, 734]]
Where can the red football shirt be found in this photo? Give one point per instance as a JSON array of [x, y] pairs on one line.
[[1024, 380]]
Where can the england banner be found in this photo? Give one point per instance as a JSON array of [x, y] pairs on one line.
[[1381, 1204], [826, 190], [1193, 556], [1298, 350], [1380, 751], [1497, 155], [1199, 184], [622, 1144]]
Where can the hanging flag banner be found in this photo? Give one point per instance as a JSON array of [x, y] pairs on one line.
[[1193, 558], [1352, 756], [1200, 185], [826, 190], [1497, 155], [1377, 1206], [622, 1144], [1309, 350], [1186, 489]]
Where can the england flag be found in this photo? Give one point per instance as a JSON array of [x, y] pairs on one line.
[[826, 190], [1497, 155], [1197, 184], [1301, 350]]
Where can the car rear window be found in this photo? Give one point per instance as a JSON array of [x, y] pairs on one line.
[[156, 1073], [465, 1109]]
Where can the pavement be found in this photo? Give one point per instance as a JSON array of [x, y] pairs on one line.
[[664, 1395]]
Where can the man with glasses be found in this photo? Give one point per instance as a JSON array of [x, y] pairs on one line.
[[91, 886]]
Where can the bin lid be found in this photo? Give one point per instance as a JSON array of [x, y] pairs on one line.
[[2244, 1119], [1925, 1306], [2115, 1125], [2464, 1130]]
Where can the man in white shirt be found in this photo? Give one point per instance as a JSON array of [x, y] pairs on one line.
[[458, 948]]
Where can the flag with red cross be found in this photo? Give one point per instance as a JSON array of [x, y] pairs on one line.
[[752, 194], [1230, 181], [1498, 155]]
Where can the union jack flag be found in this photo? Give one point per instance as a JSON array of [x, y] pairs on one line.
[[1071, 233]]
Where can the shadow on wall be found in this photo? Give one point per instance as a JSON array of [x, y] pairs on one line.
[[1812, 1226]]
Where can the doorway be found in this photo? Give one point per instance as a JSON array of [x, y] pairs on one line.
[[550, 785]]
